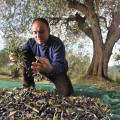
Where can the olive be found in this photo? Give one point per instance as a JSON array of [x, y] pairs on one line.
[[1, 118], [3, 109], [50, 115], [44, 105], [43, 115], [4, 114]]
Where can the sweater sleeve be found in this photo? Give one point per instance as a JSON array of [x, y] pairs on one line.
[[59, 62], [25, 46]]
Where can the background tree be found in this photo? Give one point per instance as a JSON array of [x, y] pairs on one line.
[[4, 63], [4, 59], [78, 65], [99, 20]]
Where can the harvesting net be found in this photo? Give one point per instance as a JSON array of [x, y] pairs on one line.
[[110, 98]]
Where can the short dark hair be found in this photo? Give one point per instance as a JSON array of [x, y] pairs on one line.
[[42, 20]]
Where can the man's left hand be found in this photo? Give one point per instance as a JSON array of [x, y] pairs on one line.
[[44, 66]]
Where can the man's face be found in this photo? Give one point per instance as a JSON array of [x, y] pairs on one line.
[[40, 32]]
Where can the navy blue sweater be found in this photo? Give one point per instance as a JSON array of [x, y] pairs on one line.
[[54, 50]]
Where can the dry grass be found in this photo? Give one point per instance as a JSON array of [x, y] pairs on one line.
[[8, 78], [105, 85]]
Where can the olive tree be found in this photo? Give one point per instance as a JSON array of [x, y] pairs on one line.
[[98, 20]]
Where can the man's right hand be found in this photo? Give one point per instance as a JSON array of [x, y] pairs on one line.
[[11, 56]]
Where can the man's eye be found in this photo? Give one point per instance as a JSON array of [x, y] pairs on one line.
[[42, 31], [35, 32]]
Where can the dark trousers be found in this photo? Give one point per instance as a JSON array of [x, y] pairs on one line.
[[61, 81], [63, 84]]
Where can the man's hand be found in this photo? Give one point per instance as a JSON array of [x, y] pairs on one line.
[[44, 66], [11, 56]]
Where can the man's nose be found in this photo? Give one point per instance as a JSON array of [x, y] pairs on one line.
[[38, 35]]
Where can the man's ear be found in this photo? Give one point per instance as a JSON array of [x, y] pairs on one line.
[[49, 30]]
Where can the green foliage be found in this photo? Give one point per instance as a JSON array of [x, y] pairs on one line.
[[113, 73], [21, 15], [78, 65], [4, 63], [15, 71], [118, 79], [4, 59], [6, 67], [11, 70], [19, 54], [117, 60], [14, 47], [6, 70], [116, 72]]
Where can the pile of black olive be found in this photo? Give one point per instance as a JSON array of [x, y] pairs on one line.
[[29, 73], [37, 104]]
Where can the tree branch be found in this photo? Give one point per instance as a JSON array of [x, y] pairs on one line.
[[90, 4], [81, 23], [114, 37], [78, 6], [94, 22], [114, 32], [115, 24], [54, 20], [104, 21], [84, 26]]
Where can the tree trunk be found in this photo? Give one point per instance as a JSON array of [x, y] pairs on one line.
[[16, 73], [102, 52], [99, 65]]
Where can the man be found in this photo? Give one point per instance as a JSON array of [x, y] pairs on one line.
[[50, 51]]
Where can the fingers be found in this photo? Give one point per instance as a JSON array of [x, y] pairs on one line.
[[37, 67], [45, 65], [11, 56], [42, 60], [35, 64]]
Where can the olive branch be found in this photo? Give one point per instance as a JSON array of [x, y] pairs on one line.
[[20, 58], [19, 54]]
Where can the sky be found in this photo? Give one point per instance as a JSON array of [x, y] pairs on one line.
[[1, 43]]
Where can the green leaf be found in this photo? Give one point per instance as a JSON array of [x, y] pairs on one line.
[[77, 110], [13, 112], [62, 116], [32, 108], [55, 116], [75, 117]]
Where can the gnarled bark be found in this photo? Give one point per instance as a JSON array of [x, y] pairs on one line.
[[102, 51]]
